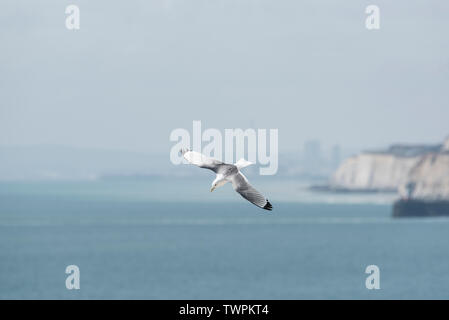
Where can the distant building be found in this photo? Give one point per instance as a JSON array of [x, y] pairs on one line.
[[312, 158], [335, 157]]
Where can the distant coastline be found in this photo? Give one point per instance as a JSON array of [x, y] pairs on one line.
[[333, 189], [418, 173]]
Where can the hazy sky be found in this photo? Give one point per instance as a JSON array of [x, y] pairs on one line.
[[136, 70]]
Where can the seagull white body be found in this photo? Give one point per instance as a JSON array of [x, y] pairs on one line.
[[229, 173]]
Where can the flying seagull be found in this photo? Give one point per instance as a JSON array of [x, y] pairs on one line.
[[228, 173]]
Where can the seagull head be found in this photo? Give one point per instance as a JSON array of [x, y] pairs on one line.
[[218, 182]]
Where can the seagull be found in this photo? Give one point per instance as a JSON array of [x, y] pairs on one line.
[[228, 173]]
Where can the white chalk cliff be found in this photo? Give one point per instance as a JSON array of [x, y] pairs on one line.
[[429, 178], [420, 172], [370, 171]]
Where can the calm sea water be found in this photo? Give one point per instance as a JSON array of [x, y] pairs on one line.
[[173, 239]]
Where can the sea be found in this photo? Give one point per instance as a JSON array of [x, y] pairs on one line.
[[171, 238]]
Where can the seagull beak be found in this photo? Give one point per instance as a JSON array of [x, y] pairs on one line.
[[212, 189]]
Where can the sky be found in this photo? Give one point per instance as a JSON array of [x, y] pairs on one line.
[[136, 70]]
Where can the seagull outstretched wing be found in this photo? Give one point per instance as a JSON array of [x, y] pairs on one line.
[[201, 160], [247, 191]]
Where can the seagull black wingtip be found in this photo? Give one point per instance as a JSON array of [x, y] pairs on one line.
[[268, 206]]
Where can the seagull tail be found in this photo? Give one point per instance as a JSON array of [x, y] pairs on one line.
[[242, 163]]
